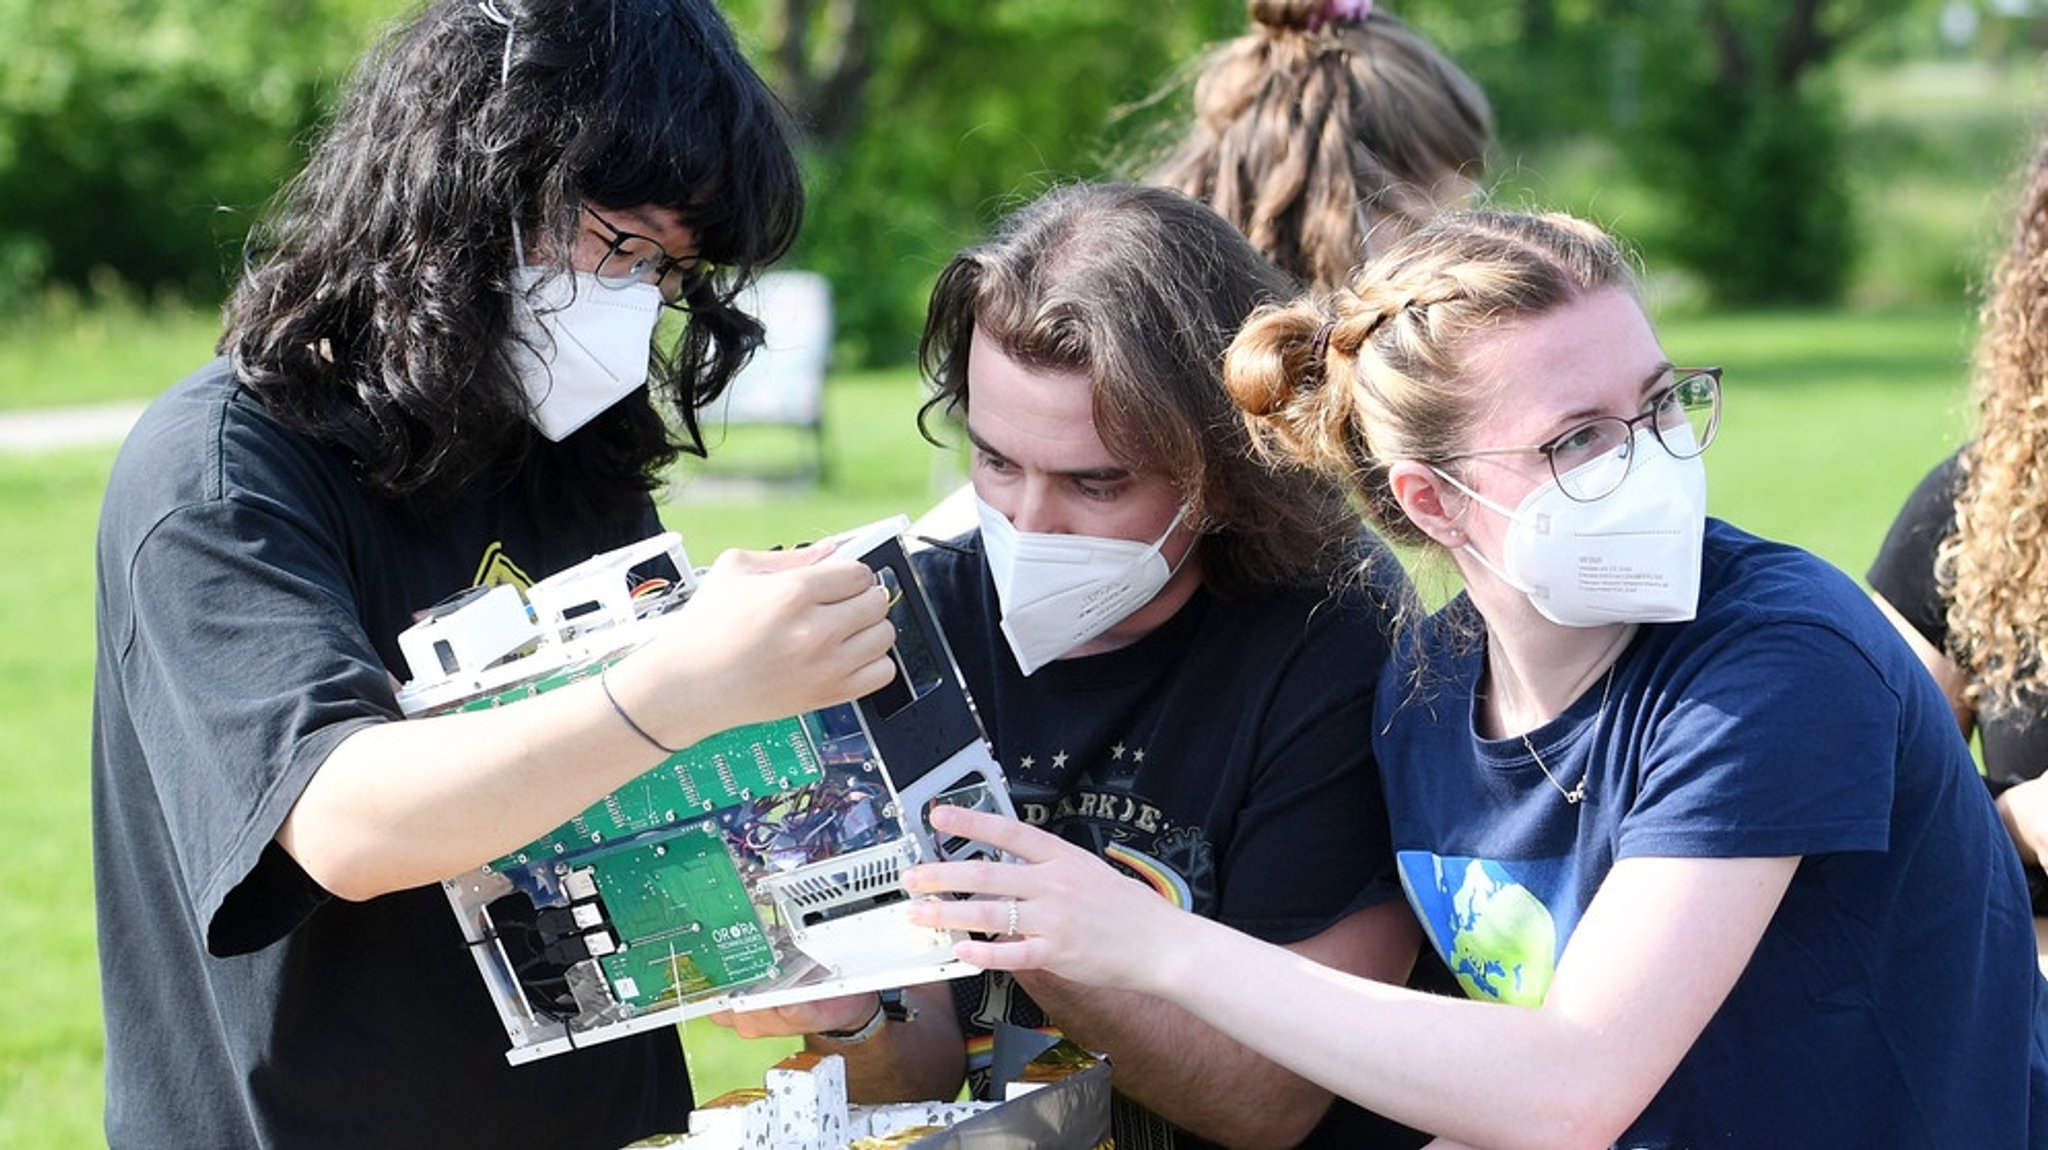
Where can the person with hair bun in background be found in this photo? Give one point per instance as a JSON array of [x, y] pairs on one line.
[[1963, 571], [1328, 130], [1688, 821]]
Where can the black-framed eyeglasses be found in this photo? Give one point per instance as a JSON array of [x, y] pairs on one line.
[[631, 258], [1682, 418]]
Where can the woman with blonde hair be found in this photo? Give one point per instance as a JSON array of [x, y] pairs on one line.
[[1328, 129], [1691, 826], [1963, 572]]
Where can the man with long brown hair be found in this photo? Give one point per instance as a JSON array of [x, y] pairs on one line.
[[1172, 645]]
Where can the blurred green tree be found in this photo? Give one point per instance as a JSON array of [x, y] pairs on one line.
[[1725, 112], [925, 119], [136, 138], [1744, 137]]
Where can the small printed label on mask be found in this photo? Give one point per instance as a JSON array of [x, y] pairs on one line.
[[1597, 576], [1632, 556]]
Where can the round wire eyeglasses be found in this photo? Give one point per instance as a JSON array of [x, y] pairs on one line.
[[631, 258], [1682, 418]]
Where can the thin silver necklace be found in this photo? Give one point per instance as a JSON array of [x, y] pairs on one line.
[[1577, 794]]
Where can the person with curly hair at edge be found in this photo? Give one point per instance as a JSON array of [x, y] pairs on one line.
[[1963, 571]]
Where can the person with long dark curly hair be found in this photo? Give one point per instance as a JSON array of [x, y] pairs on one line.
[[1327, 131], [472, 332], [1963, 571]]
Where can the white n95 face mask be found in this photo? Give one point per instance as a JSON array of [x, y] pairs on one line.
[[1059, 591], [580, 345], [1632, 556]]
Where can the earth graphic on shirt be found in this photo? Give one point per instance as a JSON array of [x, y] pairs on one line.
[[1497, 937]]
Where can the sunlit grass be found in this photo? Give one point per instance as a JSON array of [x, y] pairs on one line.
[[68, 354]]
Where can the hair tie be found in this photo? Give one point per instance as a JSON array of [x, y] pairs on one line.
[[497, 16], [639, 730], [1318, 372], [1319, 343], [1339, 12]]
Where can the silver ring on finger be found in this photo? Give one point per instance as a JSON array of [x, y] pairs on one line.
[[1011, 929]]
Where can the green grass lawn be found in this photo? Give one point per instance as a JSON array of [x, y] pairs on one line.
[[49, 1025], [1830, 420], [116, 353]]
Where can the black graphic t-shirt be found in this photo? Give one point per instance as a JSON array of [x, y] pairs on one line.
[[251, 594], [1224, 759]]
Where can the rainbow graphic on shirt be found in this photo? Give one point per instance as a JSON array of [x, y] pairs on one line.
[[1153, 873]]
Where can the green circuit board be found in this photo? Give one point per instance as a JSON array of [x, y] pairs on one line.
[[674, 900], [725, 770], [684, 917], [680, 884]]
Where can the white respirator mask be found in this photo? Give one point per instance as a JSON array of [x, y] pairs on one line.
[[1059, 591], [1631, 556], [579, 344]]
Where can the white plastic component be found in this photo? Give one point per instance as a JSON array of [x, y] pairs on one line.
[[594, 593], [469, 635], [848, 913], [454, 653], [861, 540]]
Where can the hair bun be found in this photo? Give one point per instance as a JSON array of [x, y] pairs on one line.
[[1276, 358]]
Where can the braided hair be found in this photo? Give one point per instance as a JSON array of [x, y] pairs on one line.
[[1349, 383], [1322, 136]]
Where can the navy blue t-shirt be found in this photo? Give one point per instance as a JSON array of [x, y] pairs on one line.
[[251, 593], [1893, 1000]]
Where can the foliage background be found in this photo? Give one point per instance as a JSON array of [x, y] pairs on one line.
[[138, 139]]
